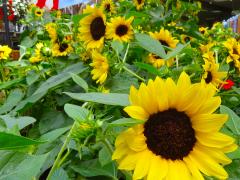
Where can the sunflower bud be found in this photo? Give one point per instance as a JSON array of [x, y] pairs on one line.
[[84, 129], [46, 51]]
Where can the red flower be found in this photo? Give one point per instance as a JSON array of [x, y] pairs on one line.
[[228, 85]]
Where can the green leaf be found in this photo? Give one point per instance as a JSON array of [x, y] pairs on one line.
[[53, 135], [13, 99], [21, 122], [233, 122], [11, 141], [235, 154], [126, 122], [32, 78], [76, 112], [104, 156], [93, 168], [29, 101], [11, 83], [237, 90], [117, 46], [60, 78], [21, 166], [108, 98], [150, 44], [233, 170], [151, 69], [80, 81], [60, 174], [175, 51]]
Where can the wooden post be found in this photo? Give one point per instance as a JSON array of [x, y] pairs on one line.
[[6, 23]]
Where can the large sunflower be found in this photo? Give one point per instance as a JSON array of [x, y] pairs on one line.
[[100, 67], [5, 52], [180, 136], [92, 28], [108, 6], [212, 75], [61, 49], [139, 4], [120, 29]]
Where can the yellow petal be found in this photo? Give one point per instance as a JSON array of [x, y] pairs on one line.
[[133, 96], [136, 112], [129, 161], [217, 140], [172, 92], [194, 170], [161, 94], [178, 171], [158, 168], [120, 151], [208, 122], [136, 142], [207, 165], [229, 148], [142, 165], [210, 106]]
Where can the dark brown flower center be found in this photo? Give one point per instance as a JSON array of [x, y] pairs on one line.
[[121, 30], [209, 77], [139, 1], [235, 51], [163, 42], [63, 47], [108, 7], [97, 28], [39, 12], [156, 56], [169, 134], [187, 39]]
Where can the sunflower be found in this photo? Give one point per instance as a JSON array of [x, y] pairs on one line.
[[180, 135], [158, 62], [38, 12], [100, 67], [165, 38], [5, 52], [207, 47], [61, 49], [51, 28], [234, 49], [138, 3], [212, 75], [92, 28], [209, 56], [185, 38], [203, 30], [37, 57], [108, 6], [120, 29]]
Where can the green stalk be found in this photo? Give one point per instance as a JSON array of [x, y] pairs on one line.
[[59, 160], [133, 73]]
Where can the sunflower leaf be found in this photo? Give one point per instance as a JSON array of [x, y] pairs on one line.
[[233, 122], [102, 98], [151, 45]]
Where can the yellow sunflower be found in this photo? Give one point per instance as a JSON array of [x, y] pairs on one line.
[[120, 29], [234, 50], [92, 28], [108, 6], [139, 4], [212, 75], [185, 38], [5, 52], [165, 38], [38, 12], [100, 67], [180, 135], [37, 57], [51, 28], [203, 30], [209, 56], [61, 49], [158, 62], [207, 47]]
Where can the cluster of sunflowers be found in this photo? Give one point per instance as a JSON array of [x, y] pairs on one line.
[[178, 75]]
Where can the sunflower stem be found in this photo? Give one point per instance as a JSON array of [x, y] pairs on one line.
[[59, 160], [133, 73], [125, 55]]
